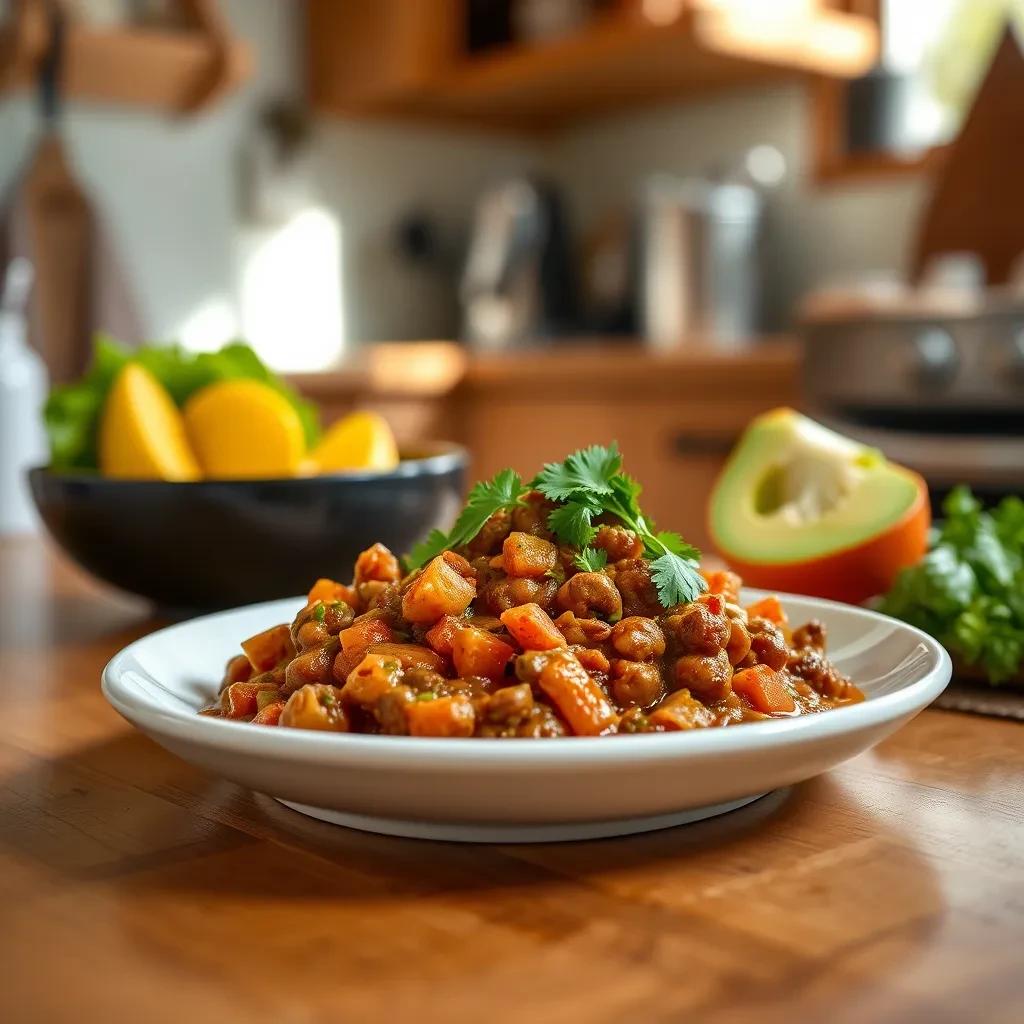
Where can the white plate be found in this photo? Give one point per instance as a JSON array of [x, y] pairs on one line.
[[486, 790]]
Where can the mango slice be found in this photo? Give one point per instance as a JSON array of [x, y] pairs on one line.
[[142, 435], [359, 441], [243, 429]]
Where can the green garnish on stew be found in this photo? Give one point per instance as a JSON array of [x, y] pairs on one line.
[[588, 484], [426, 695], [319, 612]]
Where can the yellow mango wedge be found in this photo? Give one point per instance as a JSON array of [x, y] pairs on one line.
[[359, 441], [142, 436], [244, 429]]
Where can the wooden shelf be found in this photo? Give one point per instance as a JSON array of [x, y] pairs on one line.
[[173, 71], [620, 60]]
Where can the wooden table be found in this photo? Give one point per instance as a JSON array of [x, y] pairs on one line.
[[134, 887]]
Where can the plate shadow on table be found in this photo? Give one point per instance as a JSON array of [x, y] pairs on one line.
[[124, 811]]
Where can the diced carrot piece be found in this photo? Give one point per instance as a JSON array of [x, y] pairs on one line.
[[241, 700], [527, 555], [270, 648], [679, 711], [441, 634], [532, 628], [328, 590], [459, 564], [377, 563], [724, 582], [764, 689], [715, 603], [438, 590], [579, 700], [363, 632], [410, 655], [769, 608], [356, 640], [371, 679], [442, 716], [269, 714], [479, 653]]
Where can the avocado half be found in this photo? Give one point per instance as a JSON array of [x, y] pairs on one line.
[[801, 508]]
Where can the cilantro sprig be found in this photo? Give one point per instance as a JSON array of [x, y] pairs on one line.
[[591, 483], [585, 486], [968, 590], [505, 491]]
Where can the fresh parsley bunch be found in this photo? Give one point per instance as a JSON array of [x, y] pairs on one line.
[[968, 591], [588, 484]]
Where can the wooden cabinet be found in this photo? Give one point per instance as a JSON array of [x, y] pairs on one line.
[[675, 416], [410, 59]]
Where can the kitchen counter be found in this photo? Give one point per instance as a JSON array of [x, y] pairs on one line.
[[134, 886]]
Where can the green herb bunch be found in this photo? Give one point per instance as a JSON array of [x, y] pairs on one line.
[[968, 591], [585, 486]]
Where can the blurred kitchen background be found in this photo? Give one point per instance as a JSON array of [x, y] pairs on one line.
[[534, 224]]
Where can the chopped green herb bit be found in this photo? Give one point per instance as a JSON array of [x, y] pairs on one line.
[[319, 612], [426, 695]]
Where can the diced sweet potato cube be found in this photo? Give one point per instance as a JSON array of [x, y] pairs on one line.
[[269, 714], [479, 653], [459, 564], [315, 706], [377, 563], [438, 590], [764, 689], [579, 700], [441, 634], [442, 716], [356, 640], [527, 555], [328, 590], [679, 711], [270, 648], [371, 679], [532, 628], [410, 655]]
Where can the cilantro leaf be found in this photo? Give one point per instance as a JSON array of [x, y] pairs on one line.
[[435, 542], [589, 470], [486, 498], [672, 542], [591, 560], [676, 579], [571, 523]]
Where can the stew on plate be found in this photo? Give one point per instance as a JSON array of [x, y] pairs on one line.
[[552, 608]]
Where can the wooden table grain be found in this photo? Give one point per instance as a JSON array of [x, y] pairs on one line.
[[135, 887]]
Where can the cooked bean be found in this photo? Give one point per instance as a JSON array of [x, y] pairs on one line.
[[500, 594], [582, 631], [707, 677], [811, 634], [636, 684], [767, 644], [619, 542], [739, 642], [639, 595], [313, 666], [492, 534], [698, 630], [510, 703], [531, 516], [638, 638], [390, 710], [591, 593], [317, 622]]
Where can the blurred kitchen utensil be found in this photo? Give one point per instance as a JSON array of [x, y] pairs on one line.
[[517, 284], [699, 259], [48, 219], [23, 388]]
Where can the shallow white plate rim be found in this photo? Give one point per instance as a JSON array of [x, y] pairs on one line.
[[568, 753]]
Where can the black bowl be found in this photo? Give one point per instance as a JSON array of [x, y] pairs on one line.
[[218, 543]]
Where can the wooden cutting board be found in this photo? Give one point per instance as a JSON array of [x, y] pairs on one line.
[[60, 228]]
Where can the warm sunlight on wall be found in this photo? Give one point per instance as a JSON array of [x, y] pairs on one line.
[[291, 299]]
